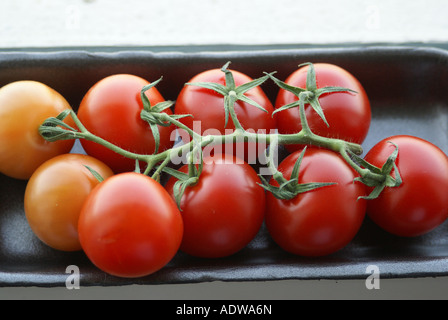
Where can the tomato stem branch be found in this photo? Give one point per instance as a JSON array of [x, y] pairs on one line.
[[54, 129], [238, 135]]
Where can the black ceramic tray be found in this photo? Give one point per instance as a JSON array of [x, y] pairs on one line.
[[408, 91]]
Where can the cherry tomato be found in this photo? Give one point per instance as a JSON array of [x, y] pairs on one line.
[[348, 114], [129, 226], [420, 203], [207, 108], [322, 221], [111, 110], [24, 106], [224, 211], [55, 195]]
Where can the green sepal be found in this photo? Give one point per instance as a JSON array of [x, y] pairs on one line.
[[314, 103], [289, 189], [217, 87], [137, 167], [309, 95], [144, 97], [156, 135], [161, 106], [155, 116], [158, 117], [185, 180], [287, 106], [283, 85], [231, 92], [176, 173], [55, 129], [95, 174], [385, 171], [179, 189]]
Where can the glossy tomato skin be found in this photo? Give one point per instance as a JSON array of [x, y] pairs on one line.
[[348, 114], [111, 110], [24, 106], [207, 109], [129, 226], [420, 203], [224, 211], [55, 195], [322, 221]]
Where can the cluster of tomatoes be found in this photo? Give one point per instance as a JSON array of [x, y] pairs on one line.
[[129, 225]]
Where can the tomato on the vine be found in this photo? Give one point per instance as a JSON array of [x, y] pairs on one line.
[[55, 195], [348, 114], [207, 108], [420, 203], [224, 211], [24, 106], [111, 110], [130, 226], [322, 221]]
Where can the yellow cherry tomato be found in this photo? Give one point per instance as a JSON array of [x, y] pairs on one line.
[[24, 106], [55, 195]]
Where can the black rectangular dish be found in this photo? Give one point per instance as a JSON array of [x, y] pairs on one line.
[[407, 87]]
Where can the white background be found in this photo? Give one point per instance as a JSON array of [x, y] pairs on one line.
[[96, 23], [50, 23]]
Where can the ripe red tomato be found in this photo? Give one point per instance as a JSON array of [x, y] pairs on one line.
[[55, 195], [224, 211], [420, 203], [207, 108], [322, 221], [111, 110], [129, 226], [24, 106], [348, 114]]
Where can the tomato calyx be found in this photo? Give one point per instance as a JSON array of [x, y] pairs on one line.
[[54, 128], [309, 95], [155, 116], [289, 189], [232, 93], [185, 180], [380, 178]]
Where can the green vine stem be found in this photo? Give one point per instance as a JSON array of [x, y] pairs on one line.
[[54, 129]]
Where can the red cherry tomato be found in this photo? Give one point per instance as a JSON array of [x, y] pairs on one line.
[[24, 106], [224, 211], [111, 110], [55, 195], [321, 221], [420, 203], [348, 114], [207, 108], [129, 226]]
